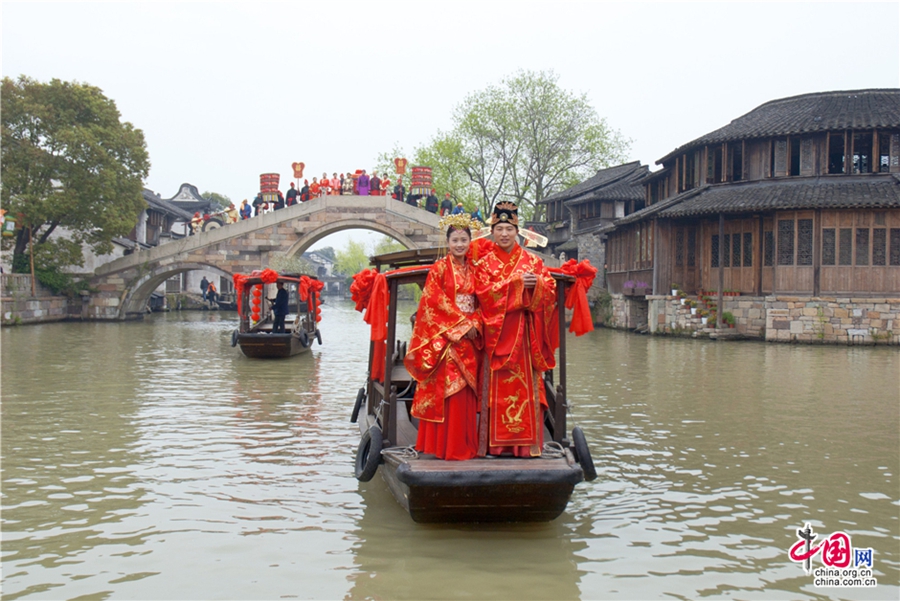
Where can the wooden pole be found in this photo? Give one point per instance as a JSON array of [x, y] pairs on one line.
[[720, 308], [31, 252]]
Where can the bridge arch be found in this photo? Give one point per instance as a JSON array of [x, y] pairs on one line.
[[138, 293], [312, 236]]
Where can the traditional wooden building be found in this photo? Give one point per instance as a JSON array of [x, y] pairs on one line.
[[800, 196], [576, 215]]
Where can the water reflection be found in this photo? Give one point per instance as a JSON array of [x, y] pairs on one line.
[[498, 561], [153, 460]]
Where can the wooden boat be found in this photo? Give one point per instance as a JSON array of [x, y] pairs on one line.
[[489, 489], [255, 335]]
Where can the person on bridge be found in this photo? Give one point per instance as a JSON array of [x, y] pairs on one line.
[[335, 184], [324, 185], [304, 191], [314, 189], [291, 199], [400, 190], [196, 223], [431, 203], [362, 184], [385, 186], [246, 210], [231, 214], [279, 201], [446, 204], [444, 351], [279, 308], [347, 185], [375, 184], [258, 203]]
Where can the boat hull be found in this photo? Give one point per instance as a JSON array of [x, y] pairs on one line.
[[493, 489], [270, 346]]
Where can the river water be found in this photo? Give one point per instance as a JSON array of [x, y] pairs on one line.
[[153, 461]]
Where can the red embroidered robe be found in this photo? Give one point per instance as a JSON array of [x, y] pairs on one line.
[[440, 358], [519, 343]]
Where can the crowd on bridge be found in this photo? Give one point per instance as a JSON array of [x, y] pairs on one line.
[[351, 184]]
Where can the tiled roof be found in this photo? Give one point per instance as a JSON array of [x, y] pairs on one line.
[[615, 183], [650, 211], [838, 192], [809, 113], [165, 206]]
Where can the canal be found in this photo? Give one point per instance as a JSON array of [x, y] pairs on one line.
[[152, 460]]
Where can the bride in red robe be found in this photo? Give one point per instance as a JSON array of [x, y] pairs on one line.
[[444, 353]]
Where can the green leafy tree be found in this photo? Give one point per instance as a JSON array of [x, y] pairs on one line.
[[387, 245], [218, 202], [68, 161], [521, 140], [444, 155], [352, 259], [327, 252], [282, 263], [562, 139]]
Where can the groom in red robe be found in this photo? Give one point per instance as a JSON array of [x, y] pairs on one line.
[[516, 296]]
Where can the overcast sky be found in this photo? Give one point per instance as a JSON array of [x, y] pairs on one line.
[[224, 92]]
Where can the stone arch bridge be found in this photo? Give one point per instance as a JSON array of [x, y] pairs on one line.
[[125, 285]]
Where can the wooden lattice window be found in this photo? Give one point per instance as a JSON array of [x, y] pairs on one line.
[[895, 246], [804, 242], [828, 246], [862, 246], [726, 250], [736, 250], [786, 242], [714, 249], [845, 246], [692, 248], [748, 249], [879, 246], [679, 247], [769, 248]]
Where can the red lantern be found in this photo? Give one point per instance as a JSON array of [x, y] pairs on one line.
[[298, 169]]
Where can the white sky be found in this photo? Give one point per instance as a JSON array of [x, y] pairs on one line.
[[224, 92]]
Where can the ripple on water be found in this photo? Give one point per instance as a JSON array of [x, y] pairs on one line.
[[158, 462]]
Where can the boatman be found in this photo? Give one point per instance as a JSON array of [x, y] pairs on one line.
[[279, 308], [517, 298]]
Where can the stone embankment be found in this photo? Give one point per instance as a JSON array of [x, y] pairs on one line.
[[811, 320], [18, 305]]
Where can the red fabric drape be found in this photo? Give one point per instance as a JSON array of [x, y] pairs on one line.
[[576, 295], [369, 292]]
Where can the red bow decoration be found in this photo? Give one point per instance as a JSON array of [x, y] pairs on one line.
[[576, 295], [268, 276]]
